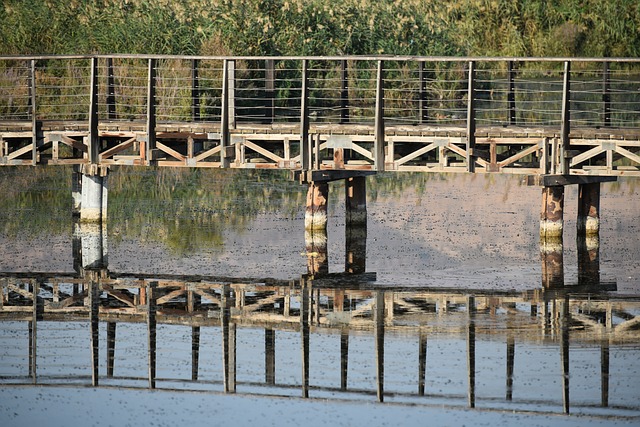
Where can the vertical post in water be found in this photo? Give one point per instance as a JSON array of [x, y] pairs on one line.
[[471, 350], [270, 90], [151, 331], [552, 212], [511, 96], [195, 90], [94, 137], [606, 94], [195, 352], [378, 148], [344, 92], [111, 92], [589, 209], [604, 373], [379, 342], [471, 118], [151, 112], [33, 336], [315, 217], [566, 119], [356, 201], [305, 152], [344, 358]]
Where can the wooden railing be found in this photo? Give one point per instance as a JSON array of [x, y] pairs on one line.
[[455, 110]]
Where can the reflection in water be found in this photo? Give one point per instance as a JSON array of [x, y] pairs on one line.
[[344, 326]]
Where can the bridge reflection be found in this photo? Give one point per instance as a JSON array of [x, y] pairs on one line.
[[345, 336]]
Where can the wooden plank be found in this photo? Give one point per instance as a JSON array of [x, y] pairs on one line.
[[518, 156], [628, 154], [118, 148], [586, 155], [415, 154]]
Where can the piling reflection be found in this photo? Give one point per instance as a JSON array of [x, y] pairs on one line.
[[330, 335]]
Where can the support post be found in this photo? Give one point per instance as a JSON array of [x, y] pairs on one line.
[[315, 217], [305, 151], [269, 356], [35, 124], [471, 351], [379, 137], [564, 352], [228, 342], [317, 257], [422, 361], [344, 92], [93, 204], [270, 90], [225, 114], [151, 331], [344, 358], [511, 95], [566, 120], [423, 102], [305, 294], [604, 373], [195, 352], [111, 93], [94, 307], [94, 137], [589, 209], [379, 341], [111, 347], [551, 214], [606, 95], [195, 90], [356, 201], [471, 118], [552, 258], [151, 112]]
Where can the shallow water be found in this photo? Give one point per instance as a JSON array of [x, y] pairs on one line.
[[448, 305]]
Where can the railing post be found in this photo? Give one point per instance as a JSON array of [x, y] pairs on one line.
[[606, 95], [511, 95], [344, 92], [379, 120], [111, 93], [471, 118], [35, 127], [94, 137], [423, 114], [270, 90], [224, 115], [305, 152], [151, 111], [195, 90], [566, 119]]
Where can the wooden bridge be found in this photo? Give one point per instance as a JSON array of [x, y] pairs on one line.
[[558, 121]]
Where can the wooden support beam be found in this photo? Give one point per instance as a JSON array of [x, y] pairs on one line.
[[471, 118], [315, 217], [35, 124], [151, 111], [344, 92], [378, 145], [566, 119], [305, 295], [305, 150], [93, 139], [588, 222], [94, 321]]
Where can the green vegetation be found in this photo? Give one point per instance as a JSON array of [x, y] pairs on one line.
[[316, 27]]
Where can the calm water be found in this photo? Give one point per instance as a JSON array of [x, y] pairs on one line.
[[207, 284]]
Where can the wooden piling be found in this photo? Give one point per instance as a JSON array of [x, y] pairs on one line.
[[379, 342], [111, 347], [551, 214], [151, 332], [344, 358], [269, 356], [94, 321], [422, 361], [315, 216], [588, 209], [551, 255], [305, 295], [195, 352], [356, 201], [471, 351]]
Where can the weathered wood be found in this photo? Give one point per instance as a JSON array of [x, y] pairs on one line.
[[344, 92], [94, 138], [379, 307], [471, 118], [111, 93], [195, 90], [151, 333], [315, 217], [551, 214], [588, 209], [378, 145], [151, 112], [471, 352], [565, 119], [511, 94], [606, 95], [225, 125], [305, 150]]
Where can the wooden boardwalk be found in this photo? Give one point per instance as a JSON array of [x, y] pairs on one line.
[[530, 116]]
